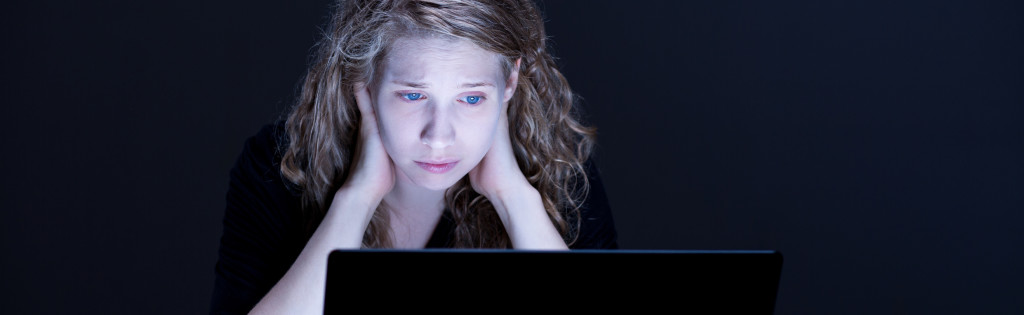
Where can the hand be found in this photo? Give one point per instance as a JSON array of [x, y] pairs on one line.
[[498, 174], [371, 173], [518, 204]]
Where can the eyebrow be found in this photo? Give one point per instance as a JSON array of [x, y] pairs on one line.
[[420, 85], [476, 84], [417, 85]]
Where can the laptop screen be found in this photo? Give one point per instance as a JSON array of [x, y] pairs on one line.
[[578, 280]]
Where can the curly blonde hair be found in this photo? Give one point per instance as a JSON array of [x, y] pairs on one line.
[[550, 142]]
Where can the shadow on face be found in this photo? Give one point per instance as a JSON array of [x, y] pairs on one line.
[[438, 105]]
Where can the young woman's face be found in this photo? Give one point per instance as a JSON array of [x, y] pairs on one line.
[[437, 105]]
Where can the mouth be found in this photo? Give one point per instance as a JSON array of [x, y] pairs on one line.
[[437, 167]]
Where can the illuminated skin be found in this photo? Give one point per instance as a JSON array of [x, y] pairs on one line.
[[441, 111], [425, 110], [439, 101], [437, 110]]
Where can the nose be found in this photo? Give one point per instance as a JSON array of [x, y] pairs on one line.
[[438, 133]]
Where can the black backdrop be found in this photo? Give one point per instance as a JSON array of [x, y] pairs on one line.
[[877, 144]]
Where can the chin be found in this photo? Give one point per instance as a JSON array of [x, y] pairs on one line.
[[437, 182]]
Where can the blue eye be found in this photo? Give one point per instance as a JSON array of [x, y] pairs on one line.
[[412, 96], [472, 100]]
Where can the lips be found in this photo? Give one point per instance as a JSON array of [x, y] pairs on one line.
[[438, 167]]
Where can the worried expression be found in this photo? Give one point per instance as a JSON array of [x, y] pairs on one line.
[[438, 102]]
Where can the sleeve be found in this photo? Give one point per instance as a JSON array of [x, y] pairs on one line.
[[597, 229], [256, 247]]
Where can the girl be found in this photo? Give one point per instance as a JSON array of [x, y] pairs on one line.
[[431, 123]]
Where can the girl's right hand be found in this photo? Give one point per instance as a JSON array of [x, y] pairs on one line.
[[371, 174]]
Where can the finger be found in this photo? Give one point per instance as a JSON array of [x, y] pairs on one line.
[[362, 95], [363, 101]]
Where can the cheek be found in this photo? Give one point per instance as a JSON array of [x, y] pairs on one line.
[[391, 131], [482, 136]]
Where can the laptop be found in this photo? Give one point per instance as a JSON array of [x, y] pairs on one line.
[[488, 281]]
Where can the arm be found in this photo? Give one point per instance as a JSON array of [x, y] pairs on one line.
[[530, 228], [261, 232], [527, 223], [301, 290]]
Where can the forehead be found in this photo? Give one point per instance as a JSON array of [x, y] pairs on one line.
[[433, 58]]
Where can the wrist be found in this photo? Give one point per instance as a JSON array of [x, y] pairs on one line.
[[512, 191], [514, 204], [353, 196], [526, 221], [350, 206]]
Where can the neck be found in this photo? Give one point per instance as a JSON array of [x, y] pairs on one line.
[[414, 212], [407, 199]]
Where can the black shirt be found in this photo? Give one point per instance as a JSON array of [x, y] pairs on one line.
[[264, 229]]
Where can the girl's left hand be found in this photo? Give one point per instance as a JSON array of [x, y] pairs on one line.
[[518, 204], [498, 174]]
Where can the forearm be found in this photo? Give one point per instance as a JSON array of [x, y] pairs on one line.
[[301, 290], [527, 223]]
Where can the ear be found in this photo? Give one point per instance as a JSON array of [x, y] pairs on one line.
[[513, 80]]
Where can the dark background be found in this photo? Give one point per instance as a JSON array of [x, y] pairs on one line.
[[877, 144]]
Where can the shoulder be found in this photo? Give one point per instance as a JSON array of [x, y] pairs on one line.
[[257, 188], [261, 156], [267, 145], [597, 227], [262, 225]]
